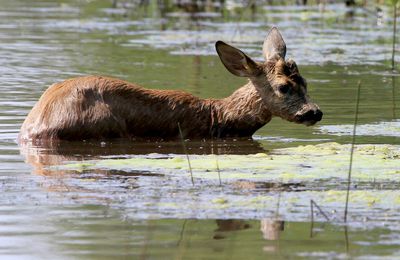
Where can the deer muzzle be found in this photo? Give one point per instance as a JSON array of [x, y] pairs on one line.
[[309, 117]]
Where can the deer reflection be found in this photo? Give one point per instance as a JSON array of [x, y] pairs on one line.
[[45, 158], [271, 229], [226, 225], [42, 156]]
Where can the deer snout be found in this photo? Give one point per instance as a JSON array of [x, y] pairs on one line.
[[309, 117]]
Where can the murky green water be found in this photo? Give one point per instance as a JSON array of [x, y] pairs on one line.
[[150, 214]]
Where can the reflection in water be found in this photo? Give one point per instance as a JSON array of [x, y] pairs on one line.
[[227, 225], [272, 228], [98, 232], [394, 97], [40, 157]]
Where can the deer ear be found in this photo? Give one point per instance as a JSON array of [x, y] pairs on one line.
[[236, 61], [292, 66], [274, 47]]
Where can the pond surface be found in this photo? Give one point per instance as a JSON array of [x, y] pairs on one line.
[[128, 199]]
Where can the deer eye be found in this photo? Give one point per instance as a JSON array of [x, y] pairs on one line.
[[284, 89]]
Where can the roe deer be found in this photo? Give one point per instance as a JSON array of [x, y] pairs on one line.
[[95, 107]]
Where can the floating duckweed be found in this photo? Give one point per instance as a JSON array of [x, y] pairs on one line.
[[358, 196], [177, 160], [79, 167], [286, 176], [292, 200], [367, 149], [334, 195], [220, 201], [310, 162], [261, 155]]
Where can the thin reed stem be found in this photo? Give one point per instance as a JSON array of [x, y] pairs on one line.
[[394, 33], [185, 151], [319, 209], [312, 218], [352, 151]]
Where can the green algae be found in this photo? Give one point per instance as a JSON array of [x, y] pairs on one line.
[[301, 163], [391, 128], [286, 204], [368, 198], [280, 182]]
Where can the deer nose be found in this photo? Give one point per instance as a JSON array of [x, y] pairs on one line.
[[311, 115], [318, 115]]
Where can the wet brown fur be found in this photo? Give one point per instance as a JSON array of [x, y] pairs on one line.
[[96, 107], [100, 107]]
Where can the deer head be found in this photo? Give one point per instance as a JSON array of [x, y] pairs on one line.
[[278, 81]]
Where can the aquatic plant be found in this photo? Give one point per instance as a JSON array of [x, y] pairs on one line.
[[352, 151], [186, 153], [394, 4], [303, 163]]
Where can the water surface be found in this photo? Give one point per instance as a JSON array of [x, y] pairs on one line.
[[104, 213]]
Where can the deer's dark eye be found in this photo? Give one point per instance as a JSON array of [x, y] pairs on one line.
[[284, 89]]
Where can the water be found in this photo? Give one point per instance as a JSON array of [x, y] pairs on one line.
[[104, 213]]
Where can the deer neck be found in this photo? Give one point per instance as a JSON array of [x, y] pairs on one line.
[[240, 114]]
